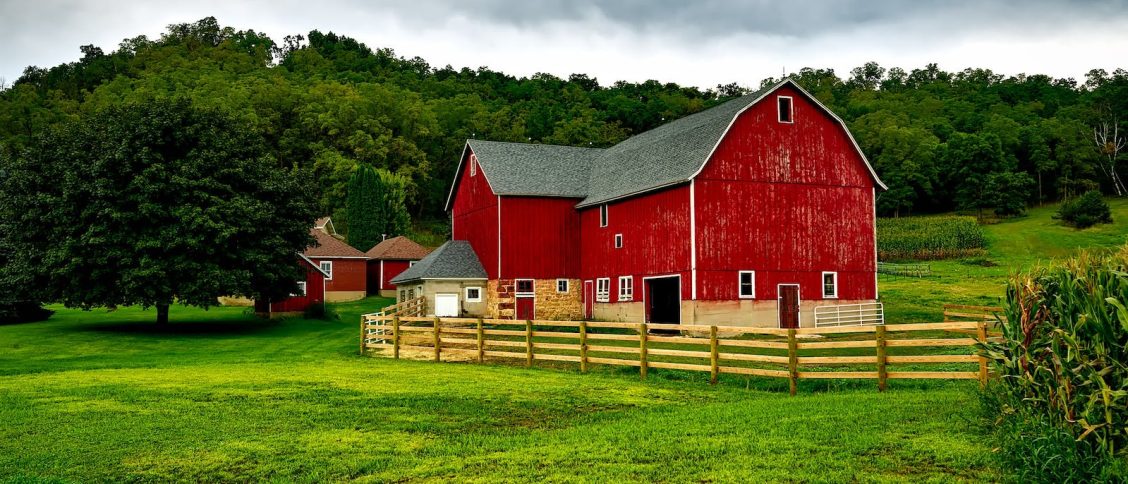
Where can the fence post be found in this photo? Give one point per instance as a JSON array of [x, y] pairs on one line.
[[792, 361], [881, 372], [528, 342], [363, 322], [642, 350], [982, 333], [438, 340], [583, 347], [395, 336], [714, 356], [481, 342]]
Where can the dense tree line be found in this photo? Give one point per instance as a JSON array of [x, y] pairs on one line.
[[327, 104]]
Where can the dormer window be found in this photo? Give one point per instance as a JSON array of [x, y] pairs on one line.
[[785, 111]]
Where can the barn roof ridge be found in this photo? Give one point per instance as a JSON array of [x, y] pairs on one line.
[[455, 259], [666, 155]]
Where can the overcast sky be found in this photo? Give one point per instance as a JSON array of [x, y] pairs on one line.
[[702, 43]]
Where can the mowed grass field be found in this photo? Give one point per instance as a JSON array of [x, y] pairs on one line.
[[221, 396]]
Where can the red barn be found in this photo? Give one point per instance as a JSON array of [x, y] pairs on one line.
[[346, 268], [388, 259], [753, 212], [310, 291]]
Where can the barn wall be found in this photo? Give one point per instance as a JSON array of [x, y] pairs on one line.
[[475, 218], [655, 230], [350, 279], [787, 201], [315, 284], [540, 238]]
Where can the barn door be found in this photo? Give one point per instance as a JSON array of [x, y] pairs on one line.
[[526, 307], [589, 300], [788, 303], [446, 305]]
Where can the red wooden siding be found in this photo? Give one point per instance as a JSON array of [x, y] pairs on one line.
[[315, 293], [655, 230], [540, 238], [390, 269], [788, 201], [348, 274], [474, 215]]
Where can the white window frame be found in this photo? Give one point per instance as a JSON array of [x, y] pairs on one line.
[[790, 110], [567, 286], [473, 299], [604, 217], [517, 284], [301, 292], [740, 284], [626, 291], [822, 285], [473, 165], [618, 241], [603, 289], [411, 263], [327, 269]]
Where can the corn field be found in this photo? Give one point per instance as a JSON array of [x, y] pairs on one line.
[[928, 238], [1064, 361]]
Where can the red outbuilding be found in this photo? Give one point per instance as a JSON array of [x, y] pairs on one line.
[[311, 291], [754, 212], [388, 259], [346, 268]]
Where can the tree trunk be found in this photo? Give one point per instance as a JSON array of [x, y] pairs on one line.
[[162, 314]]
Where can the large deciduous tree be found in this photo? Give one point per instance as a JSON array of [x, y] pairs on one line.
[[152, 204]]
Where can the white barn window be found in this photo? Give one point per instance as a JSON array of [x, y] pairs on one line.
[[747, 284], [603, 215], [830, 285], [618, 241], [786, 113], [626, 288], [603, 289], [473, 294], [327, 268], [562, 286]]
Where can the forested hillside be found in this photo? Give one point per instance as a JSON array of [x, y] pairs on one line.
[[325, 103]]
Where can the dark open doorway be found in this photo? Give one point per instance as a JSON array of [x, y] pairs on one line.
[[663, 300]]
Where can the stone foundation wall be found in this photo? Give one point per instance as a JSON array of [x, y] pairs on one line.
[[501, 304]]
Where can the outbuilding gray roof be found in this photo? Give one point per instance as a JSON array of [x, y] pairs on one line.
[[453, 260], [664, 156]]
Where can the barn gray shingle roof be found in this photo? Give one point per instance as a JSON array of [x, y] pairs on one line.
[[666, 155], [535, 169], [453, 260]]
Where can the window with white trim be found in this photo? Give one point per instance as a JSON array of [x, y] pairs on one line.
[[747, 284], [830, 285], [301, 289], [786, 113], [524, 286], [603, 289], [473, 165], [411, 293], [403, 295], [603, 215], [473, 294], [327, 268], [626, 288], [618, 241], [562, 286], [411, 263]]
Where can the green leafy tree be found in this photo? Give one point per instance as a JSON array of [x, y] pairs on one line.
[[151, 204], [1008, 192], [366, 215]]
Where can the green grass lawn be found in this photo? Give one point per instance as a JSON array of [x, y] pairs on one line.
[[219, 396]]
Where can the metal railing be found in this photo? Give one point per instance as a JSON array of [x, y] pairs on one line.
[[863, 314]]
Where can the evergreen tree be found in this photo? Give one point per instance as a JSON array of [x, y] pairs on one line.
[[366, 212]]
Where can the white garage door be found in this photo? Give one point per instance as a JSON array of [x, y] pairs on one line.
[[446, 305]]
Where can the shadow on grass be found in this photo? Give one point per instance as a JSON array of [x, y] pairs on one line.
[[201, 328]]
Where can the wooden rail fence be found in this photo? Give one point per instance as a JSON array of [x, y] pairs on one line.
[[881, 352]]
